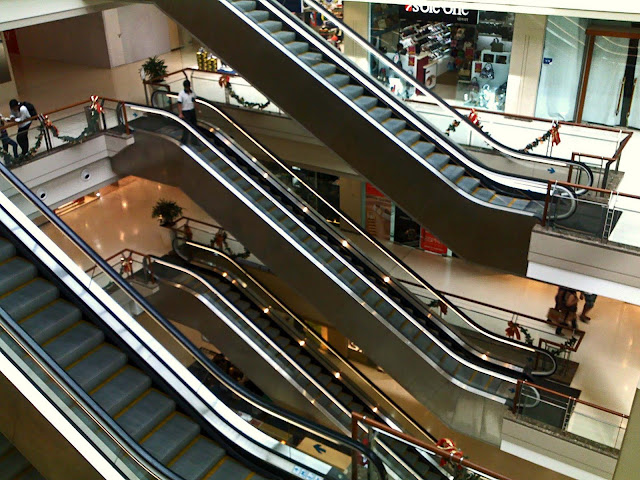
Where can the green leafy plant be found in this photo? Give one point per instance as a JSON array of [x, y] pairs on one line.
[[154, 69], [167, 211]]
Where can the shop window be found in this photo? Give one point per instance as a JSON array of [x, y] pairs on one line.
[[463, 56]]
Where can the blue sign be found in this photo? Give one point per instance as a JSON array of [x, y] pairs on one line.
[[547, 60]]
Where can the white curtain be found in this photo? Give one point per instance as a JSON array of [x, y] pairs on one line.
[[605, 80], [560, 80]]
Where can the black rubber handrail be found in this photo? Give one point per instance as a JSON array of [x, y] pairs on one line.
[[241, 391]]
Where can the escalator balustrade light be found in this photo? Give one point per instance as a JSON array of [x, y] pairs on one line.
[[98, 194], [265, 175], [386, 279], [211, 130], [244, 285], [225, 274], [302, 343], [305, 209], [265, 309], [345, 243], [283, 442], [337, 374], [374, 409], [484, 356]]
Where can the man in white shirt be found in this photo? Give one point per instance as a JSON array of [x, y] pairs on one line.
[[20, 114], [187, 108]]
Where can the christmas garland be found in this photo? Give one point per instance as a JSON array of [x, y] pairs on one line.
[[224, 82], [564, 347], [553, 133], [11, 161], [220, 241], [473, 118], [513, 330]]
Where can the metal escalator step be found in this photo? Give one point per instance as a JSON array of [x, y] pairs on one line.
[[438, 160], [243, 305], [396, 318], [245, 5], [252, 314], [501, 200], [464, 373], [282, 342], [380, 113], [7, 249], [355, 407], [230, 470], [50, 321], [198, 459], [297, 47], [366, 102], [171, 437], [147, 412], [409, 330], [411, 458], [311, 58], [302, 360], [262, 322], [97, 367], [72, 344], [271, 25], [453, 172], [272, 332], [258, 15], [345, 398], [423, 342], [334, 389], [352, 91], [15, 272], [338, 80], [324, 69], [394, 125], [423, 148], [284, 36], [479, 380], [292, 350], [468, 184], [12, 464], [483, 194], [324, 379], [408, 137], [121, 390], [535, 207], [520, 203], [493, 386], [449, 364], [313, 370]]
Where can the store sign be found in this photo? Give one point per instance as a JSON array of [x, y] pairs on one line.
[[441, 14], [429, 243]]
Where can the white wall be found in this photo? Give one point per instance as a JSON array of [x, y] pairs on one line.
[[80, 40]]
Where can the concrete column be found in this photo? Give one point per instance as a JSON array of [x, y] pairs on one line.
[[629, 461], [356, 15], [351, 200], [526, 62]]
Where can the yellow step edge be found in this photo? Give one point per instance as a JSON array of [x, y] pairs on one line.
[[109, 378], [134, 403], [511, 202], [86, 355], [184, 450], [473, 375], [251, 475], [216, 467], [158, 427], [4, 295], [488, 383], [65, 331], [41, 309]]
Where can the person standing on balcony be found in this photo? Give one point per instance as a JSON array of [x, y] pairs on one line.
[[589, 303], [6, 140], [20, 114], [187, 108]]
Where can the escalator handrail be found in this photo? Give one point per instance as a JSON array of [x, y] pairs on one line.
[[362, 232], [311, 332], [499, 146], [211, 368], [407, 114], [509, 378]]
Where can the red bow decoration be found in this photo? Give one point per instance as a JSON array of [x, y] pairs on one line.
[[48, 124], [127, 265], [95, 106], [473, 116], [513, 330], [555, 134], [224, 80], [449, 447]]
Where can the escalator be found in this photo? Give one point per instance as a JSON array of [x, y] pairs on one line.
[[482, 214], [13, 466], [328, 381], [129, 389], [465, 386]]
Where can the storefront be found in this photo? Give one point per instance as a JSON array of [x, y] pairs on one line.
[[463, 55]]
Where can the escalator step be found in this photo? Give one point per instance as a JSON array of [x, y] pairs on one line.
[[480, 380], [352, 91], [282, 342], [468, 184], [12, 464], [449, 364], [272, 332], [338, 80], [324, 69], [243, 305], [438, 160], [258, 15], [72, 344], [231, 470], [394, 125], [501, 200], [50, 321], [408, 137], [345, 398], [334, 388], [366, 102], [147, 412], [174, 435], [284, 36], [313, 370], [520, 204], [7, 250], [252, 314], [262, 323], [324, 379], [409, 330], [311, 58], [423, 148], [302, 360], [483, 194], [97, 367], [297, 47], [271, 25], [423, 342], [453, 172], [15, 272], [380, 113], [292, 351], [356, 407], [121, 390], [198, 459], [245, 5], [535, 207]]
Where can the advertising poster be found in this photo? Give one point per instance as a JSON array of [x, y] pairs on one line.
[[378, 211], [429, 243]]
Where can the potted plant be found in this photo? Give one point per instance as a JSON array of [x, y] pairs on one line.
[[167, 211], [154, 69]]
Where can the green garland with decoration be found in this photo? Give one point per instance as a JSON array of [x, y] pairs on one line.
[[564, 347], [245, 103], [222, 235], [528, 339], [553, 133], [11, 161]]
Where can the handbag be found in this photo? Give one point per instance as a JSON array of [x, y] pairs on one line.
[[487, 71], [497, 46], [556, 316]]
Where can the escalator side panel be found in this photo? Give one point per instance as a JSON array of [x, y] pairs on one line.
[[492, 237], [163, 161]]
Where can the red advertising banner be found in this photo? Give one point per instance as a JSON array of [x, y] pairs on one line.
[[378, 211], [429, 243]]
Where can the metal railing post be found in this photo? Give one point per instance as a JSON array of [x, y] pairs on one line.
[[354, 454], [546, 204], [516, 397]]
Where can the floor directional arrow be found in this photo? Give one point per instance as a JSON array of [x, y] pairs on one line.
[[551, 170], [319, 448]]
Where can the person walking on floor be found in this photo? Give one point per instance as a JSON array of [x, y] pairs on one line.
[[589, 303], [20, 114], [567, 302], [6, 140], [187, 108]]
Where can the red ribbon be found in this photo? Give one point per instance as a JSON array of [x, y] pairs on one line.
[[224, 80], [513, 330], [48, 124], [555, 134], [95, 106], [449, 447], [473, 116]]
